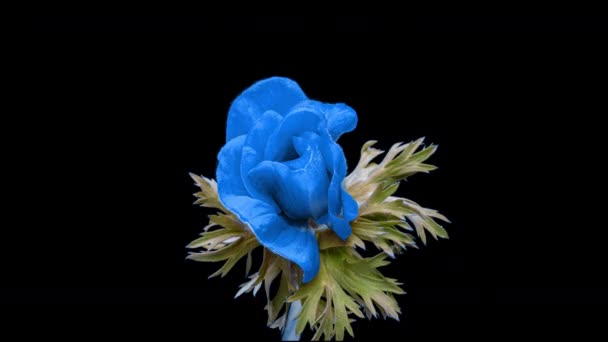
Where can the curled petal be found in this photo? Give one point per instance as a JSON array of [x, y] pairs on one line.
[[306, 116], [299, 186], [276, 93], [341, 207], [253, 150], [340, 119], [350, 208], [228, 169], [292, 240]]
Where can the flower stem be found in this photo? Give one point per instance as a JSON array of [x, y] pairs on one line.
[[289, 332]]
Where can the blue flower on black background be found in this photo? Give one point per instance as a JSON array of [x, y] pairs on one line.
[[281, 168]]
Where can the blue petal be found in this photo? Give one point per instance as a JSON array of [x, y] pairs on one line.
[[305, 116], [248, 160], [292, 240], [299, 186], [275, 93], [340, 119], [350, 208], [341, 208], [228, 171], [260, 132], [304, 142], [253, 151], [246, 208]]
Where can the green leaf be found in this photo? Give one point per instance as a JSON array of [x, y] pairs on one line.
[[226, 238], [274, 267], [231, 252], [346, 284], [248, 263], [278, 301], [208, 196], [400, 162], [383, 218]]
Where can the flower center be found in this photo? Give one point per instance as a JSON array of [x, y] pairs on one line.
[[299, 187], [301, 192]]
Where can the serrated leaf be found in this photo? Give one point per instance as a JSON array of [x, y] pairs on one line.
[[208, 196], [278, 301], [346, 283]]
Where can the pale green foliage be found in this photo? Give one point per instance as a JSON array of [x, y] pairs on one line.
[[347, 284], [274, 267], [229, 240], [383, 217], [208, 196]]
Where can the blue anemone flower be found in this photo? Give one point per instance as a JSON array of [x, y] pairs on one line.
[[281, 168]]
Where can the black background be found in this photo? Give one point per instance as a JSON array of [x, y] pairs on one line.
[[126, 106]]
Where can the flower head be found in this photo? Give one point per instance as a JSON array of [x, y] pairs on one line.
[[280, 174], [281, 169]]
